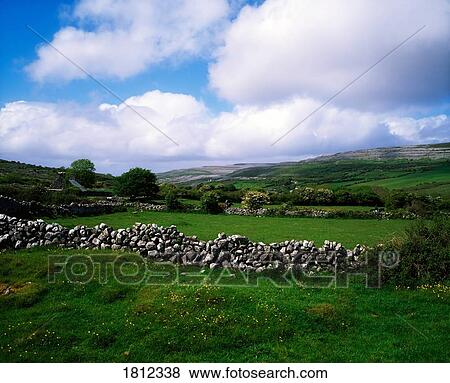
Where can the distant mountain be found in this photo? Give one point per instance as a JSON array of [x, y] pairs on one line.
[[434, 151], [205, 173], [264, 170]]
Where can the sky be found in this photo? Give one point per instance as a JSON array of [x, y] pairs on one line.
[[181, 83]]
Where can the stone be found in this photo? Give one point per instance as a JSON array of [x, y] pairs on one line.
[[160, 243]]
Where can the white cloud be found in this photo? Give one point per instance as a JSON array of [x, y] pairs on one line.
[[434, 128], [312, 48], [117, 38], [115, 138]]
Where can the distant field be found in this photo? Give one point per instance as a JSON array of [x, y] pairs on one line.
[[141, 322], [414, 180], [391, 174], [266, 229]]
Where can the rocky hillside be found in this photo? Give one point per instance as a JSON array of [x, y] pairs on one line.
[[262, 170], [436, 151], [204, 173]]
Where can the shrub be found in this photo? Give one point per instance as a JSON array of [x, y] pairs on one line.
[[166, 188], [136, 182], [310, 196], [41, 194], [398, 200], [254, 200], [365, 196], [422, 205], [424, 254], [343, 197], [210, 202], [172, 202]]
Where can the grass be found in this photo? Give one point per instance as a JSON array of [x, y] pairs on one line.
[[112, 322], [21, 175], [439, 175], [267, 229], [391, 174]]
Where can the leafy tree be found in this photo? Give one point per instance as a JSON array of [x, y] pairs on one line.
[[210, 202], [254, 200], [136, 182], [83, 171]]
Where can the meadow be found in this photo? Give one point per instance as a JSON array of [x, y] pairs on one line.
[[266, 229], [418, 175], [195, 315], [181, 322]]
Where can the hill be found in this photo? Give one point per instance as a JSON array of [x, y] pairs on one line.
[[209, 173], [21, 175], [421, 168], [204, 173]]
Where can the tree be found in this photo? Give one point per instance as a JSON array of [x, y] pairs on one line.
[[83, 171], [136, 182], [210, 202], [254, 200]]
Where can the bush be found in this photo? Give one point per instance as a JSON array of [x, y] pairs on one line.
[[398, 200], [136, 182], [365, 196], [172, 202], [210, 202], [254, 200], [166, 188], [422, 205], [38, 193], [343, 197], [310, 196], [424, 254]]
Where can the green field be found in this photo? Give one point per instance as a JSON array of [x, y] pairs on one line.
[[440, 175], [267, 229], [112, 322], [414, 175]]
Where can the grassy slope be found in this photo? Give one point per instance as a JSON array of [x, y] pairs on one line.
[[18, 173], [395, 173], [68, 322], [26, 175], [266, 229], [438, 175], [422, 175]]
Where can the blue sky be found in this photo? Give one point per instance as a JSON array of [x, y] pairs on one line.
[[224, 78], [18, 48]]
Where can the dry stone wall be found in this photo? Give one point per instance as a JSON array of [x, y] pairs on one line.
[[25, 209], [168, 244]]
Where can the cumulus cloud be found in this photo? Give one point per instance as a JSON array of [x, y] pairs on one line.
[[117, 38], [312, 48], [434, 128], [116, 138]]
